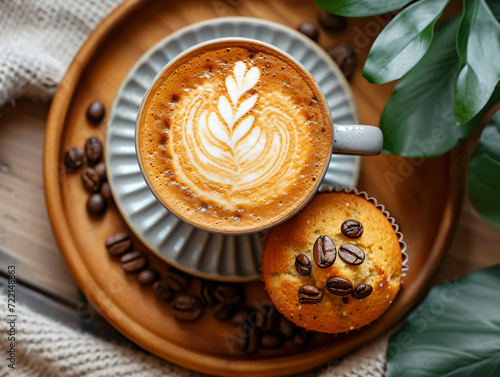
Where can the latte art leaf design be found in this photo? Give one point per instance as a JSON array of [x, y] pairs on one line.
[[235, 139], [224, 124]]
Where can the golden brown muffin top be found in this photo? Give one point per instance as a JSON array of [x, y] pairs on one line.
[[381, 268]]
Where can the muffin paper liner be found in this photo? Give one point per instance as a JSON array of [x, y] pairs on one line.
[[382, 209]]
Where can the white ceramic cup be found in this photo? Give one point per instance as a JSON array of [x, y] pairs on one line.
[[347, 139]]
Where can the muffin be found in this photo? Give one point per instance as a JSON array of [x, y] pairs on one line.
[[334, 267]]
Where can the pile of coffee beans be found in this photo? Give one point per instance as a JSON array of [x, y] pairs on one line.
[[94, 178], [343, 54], [324, 255], [261, 327], [264, 327]]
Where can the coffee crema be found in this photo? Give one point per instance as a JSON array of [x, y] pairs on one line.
[[234, 136]]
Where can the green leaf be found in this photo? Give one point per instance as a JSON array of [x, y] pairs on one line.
[[403, 42], [418, 119], [495, 8], [361, 8], [478, 44], [454, 333], [483, 179]]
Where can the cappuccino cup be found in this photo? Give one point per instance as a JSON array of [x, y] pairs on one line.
[[234, 136]]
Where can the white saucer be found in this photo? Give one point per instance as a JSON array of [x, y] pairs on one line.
[[211, 256]]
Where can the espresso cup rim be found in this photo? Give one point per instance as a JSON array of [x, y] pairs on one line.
[[146, 95]]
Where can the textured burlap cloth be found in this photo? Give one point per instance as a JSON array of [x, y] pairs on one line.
[[38, 39]]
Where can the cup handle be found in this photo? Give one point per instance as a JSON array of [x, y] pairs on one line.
[[357, 139]]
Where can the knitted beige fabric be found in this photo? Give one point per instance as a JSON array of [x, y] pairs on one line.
[[38, 40], [369, 361], [46, 348]]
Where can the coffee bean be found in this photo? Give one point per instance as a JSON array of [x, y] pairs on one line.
[[362, 291], [118, 243], [95, 112], [73, 159], [133, 261], [338, 286], [303, 265], [301, 337], [310, 294], [267, 309], [351, 254], [207, 293], [223, 312], [96, 205], [352, 228], [324, 252], [345, 300], [187, 307], [343, 54], [272, 340], [309, 30], [147, 277], [106, 191], [286, 328], [241, 316], [229, 294], [93, 150], [162, 291], [331, 22], [100, 169], [177, 280], [90, 180], [269, 317], [257, 319], [248, 338]]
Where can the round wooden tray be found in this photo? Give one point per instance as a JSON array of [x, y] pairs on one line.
[[424, 197]]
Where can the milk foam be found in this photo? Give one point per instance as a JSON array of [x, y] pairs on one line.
[[228, 142], [234, 137]]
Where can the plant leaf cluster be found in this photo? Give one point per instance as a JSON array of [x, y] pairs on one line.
[[449, 79]]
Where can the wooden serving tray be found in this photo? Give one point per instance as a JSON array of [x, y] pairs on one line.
[[424, 197]]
